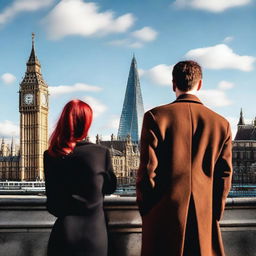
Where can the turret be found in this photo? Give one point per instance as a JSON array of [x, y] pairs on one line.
[[241, 119], [12, 148], [4, 148]]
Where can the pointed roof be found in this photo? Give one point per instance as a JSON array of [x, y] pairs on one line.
[[33, 75], [133, 110], [241, 119], [245, 131], [12, 144], [33, 58]]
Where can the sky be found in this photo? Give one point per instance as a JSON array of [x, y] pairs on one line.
[[85, 49]]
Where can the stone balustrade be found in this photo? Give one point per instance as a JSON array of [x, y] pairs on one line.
[[25, 226]]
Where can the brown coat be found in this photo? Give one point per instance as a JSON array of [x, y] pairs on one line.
[[186, 156]]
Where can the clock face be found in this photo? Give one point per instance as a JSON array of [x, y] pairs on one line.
[[44, 99], [28, 98]]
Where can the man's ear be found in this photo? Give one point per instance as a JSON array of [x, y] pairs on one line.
[[199, 85], [174, 86]]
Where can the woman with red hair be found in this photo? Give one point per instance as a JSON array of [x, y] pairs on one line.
[[77, 175]]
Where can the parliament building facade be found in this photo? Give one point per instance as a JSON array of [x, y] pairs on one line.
[[244, 153]]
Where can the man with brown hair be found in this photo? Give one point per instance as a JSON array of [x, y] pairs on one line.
[[185, 172]]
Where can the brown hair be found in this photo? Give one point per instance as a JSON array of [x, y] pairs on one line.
[[186, 74]]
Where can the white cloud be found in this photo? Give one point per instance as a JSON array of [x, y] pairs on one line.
[[225, 85], [160, 74], [211, 5], [221, 57], [9, 129], [126, 43], [8, 78], [97, 107], [19, 6], [228, 39], [214, 98], [136, 45], [137, 38], [113, 122], [78, 87], [76, 17], [146, 34]]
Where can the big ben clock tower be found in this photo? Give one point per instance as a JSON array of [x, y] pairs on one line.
[[33, 107]]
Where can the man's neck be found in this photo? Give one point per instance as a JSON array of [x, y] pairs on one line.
[[178, 92]]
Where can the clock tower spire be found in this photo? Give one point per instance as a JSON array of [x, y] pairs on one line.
[[33, 107]]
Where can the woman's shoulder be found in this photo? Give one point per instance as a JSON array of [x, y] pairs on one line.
[[82, 148], [90, 147]]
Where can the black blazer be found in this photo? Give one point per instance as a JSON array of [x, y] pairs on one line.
[[76, 183]]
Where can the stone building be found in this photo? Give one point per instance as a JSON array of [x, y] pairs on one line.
[[27, 164], [9, 161], [244, 153], [125, 158]]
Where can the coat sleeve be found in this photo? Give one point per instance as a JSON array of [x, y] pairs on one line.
[[56, 192], [222, 176], [148, 163], [110, 180]]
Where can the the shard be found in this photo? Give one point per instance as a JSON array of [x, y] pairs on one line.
[[133, 110]]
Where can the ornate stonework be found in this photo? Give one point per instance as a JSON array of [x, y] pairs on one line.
[[244, 153], [33, 108], [125, 158]]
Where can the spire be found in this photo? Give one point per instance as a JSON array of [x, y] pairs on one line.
[[133, 110], [12, 148], [134, 62], [4, 148], [241, 119], [33, 61]]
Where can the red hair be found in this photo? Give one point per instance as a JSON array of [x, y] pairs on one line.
[[72, 126]]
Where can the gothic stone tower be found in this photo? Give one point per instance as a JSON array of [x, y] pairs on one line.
[[133, 110], [33, 107]]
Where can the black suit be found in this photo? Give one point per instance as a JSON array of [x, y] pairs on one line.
[[75, 188]]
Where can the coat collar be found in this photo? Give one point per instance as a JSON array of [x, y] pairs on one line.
[[188, 98], [83, 142]]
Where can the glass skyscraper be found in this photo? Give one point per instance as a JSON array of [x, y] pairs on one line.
[[133, 110]]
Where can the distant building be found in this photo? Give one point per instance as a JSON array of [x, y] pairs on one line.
[[133, 110], [9, 161], [125, 148], [244, 153], [27, 164], [125, 158]]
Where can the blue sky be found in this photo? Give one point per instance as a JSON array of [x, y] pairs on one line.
[[87, 47]]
